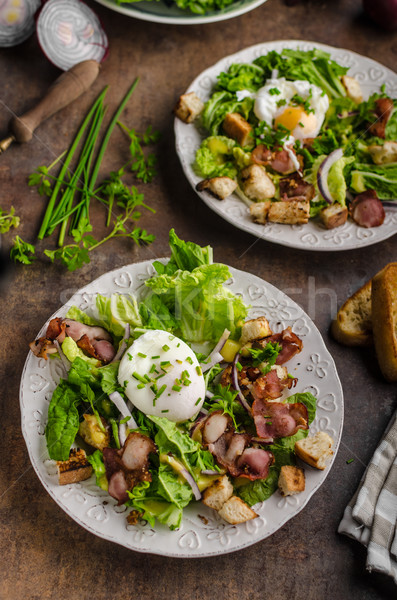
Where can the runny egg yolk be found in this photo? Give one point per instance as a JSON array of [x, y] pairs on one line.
[[297, 121]]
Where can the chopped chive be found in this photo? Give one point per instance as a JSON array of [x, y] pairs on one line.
[[147, 378], [180, 362], [140, 378], [171, 337], [197, 401], [290, 376], [186, 382], [125, 420], [129, 356], [161, 391], [165, 348], [165, 363], [153, 387], [177, 388], [160, 376], [177, 345], [189, 359], [125, 383], [349, 461], [185, 373], [198, 370], [153, 357], [153, 369], [239, 366], [269, 422], [142, 355], [140, 386], [166, 410]]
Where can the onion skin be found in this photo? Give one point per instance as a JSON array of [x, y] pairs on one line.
[[322, 174], [382, 12]]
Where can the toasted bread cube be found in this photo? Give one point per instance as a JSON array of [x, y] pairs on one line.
[[259, 211], [220, 187], [189, 107], [385, 154], [353, 89], [291, 480], [334, 215], [315, 450], [238, 128], [92, 434], [236, 511], [218, 493], [255, 329], [292, 213], [75, 469], [256, 183]]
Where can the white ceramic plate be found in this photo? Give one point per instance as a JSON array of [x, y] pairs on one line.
[[312, 236], [157, 11], [202, 533]]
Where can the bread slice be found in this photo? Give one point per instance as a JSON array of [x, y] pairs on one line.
[[384, 313], [315, 450], [291, 480], [353, 323], [236, 511]]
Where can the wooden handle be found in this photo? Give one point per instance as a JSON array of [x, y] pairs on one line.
[[69, 86]]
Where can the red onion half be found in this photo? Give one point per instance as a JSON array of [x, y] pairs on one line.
[[189, 479], [323, 172], [240, 395]]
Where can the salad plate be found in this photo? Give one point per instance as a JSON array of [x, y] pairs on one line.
[[159, 12], [202, 532], [312, 235]]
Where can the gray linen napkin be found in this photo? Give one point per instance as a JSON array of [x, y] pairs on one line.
[[371, 515]]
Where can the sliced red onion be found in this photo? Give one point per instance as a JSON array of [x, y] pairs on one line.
[[209, 394], [240, 395], [323, 171], [69, 32], [123, 432], [189, 479], [123, 345], [215, 357], [64, 360], [210, 472], [118, 401]]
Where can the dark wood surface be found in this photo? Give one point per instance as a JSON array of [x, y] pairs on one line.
[[44, 553]]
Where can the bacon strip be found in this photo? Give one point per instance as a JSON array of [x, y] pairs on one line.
[[276, 419], [367, 210], [295, 189], [383, 111], [279, 161], [291, 344], [128, 466]]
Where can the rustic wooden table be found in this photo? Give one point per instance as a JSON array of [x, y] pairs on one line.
[[45, 554]]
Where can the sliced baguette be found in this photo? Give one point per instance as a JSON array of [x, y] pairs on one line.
[[384, 317], [353, 323], [315, 450]]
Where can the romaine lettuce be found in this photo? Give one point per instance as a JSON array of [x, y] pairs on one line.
[[381, 178]]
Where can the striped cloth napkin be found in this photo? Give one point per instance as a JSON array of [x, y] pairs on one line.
[[371, 515]]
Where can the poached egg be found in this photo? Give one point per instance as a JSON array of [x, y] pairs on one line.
[[161, 376]]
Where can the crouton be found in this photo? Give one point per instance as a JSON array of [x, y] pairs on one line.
[[75, 469], [292, 213], [334, 215], [255, 329], [385, 154], [92, 434], [218, 493], [189, 107], [315, 450], [259, 211], [238, 128], [291, 480], [256, 183], [353, 89], [220, 187], [236, 511]]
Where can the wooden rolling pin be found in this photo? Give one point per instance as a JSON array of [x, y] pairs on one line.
[[69, 86]]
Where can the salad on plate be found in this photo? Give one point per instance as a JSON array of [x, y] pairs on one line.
[[173, 396], [291, 134]]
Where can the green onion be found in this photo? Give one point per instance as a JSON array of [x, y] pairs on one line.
[[349, 461], [189, 359], [239, 366], [140, 377], [197, 402], [142, 355], [177, 388], [165, 348], [199, 370]]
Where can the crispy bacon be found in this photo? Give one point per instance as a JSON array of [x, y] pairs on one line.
[[276, 419], [254, 463], [128, 466], [290, 344], [383, 110], [367, 210], [94, 341], [280, 161], [295, 189], [268, 386]]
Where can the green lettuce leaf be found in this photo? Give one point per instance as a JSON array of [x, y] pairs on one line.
[[63, 421], [145, 498], [215, 157], [116, 311], [96, 461], [336, 179], [381, 178], [72, 351]]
